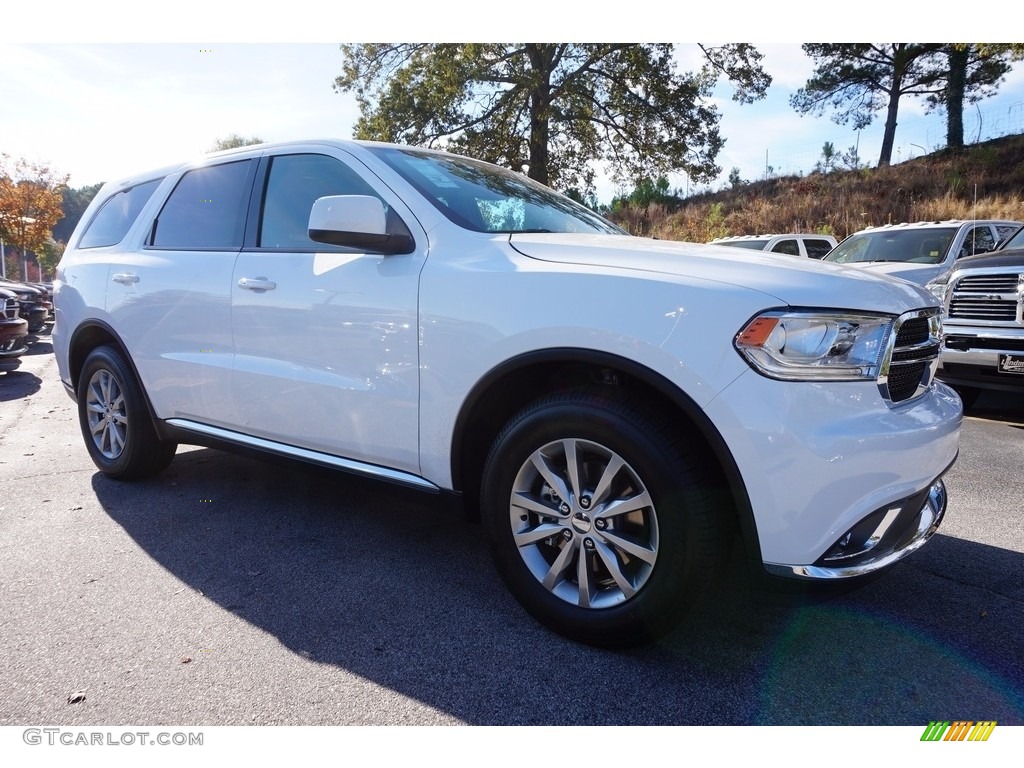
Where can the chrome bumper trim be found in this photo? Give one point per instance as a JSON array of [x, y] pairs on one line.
[[928, 522]]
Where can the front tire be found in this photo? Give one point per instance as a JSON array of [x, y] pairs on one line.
[[115, 421], [601, 518]]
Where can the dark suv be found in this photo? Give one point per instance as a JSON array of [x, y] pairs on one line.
[[33, 305], [13, 332]]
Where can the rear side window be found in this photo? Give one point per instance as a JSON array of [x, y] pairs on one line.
[[817, 248], [206, 209], [116, 216], [787, 246]]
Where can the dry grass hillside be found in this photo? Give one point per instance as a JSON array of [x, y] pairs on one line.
[[981, 181]]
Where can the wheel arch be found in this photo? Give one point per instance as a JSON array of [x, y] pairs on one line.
[[510, 386], [87, 337]]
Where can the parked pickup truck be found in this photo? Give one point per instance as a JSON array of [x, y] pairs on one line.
[[983, 344], [810, 246], [922, 251]]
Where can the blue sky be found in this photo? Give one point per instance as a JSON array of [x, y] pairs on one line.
[[100, 100]]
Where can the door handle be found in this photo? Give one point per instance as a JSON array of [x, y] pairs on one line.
[[257, 284], [125, 278]]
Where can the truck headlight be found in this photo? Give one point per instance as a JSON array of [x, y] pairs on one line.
[[810, 345], [937, 287]]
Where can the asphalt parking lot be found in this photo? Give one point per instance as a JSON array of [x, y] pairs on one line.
[[231, 591]]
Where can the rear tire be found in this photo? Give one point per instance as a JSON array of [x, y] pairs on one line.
[[115, 421], [601, 519]]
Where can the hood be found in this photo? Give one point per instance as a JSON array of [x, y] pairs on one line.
[[915, 273], [1011, 258], [790, 281]]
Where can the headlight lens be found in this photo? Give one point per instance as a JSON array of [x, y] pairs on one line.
[[938, 287], [815, 346]]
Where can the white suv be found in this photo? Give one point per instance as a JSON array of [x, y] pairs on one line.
[[617, 408], [809, 246]]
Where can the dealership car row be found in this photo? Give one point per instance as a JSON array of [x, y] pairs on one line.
[[26, 310]]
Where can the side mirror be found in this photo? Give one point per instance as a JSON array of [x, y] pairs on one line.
[[356, 221]]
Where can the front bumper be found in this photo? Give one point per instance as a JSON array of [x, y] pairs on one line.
[[883, 538], [970, 357], [822, 460], [13, 334]]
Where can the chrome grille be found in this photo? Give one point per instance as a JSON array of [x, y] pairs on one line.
[[10, 308], [991, 298], [912, 355]]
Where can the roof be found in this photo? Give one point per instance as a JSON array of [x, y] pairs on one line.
[[935, 224], [733, 238]]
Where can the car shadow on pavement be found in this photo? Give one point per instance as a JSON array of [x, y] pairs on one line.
[[15, 385], [399, 589], [41, 347], [996, 405]]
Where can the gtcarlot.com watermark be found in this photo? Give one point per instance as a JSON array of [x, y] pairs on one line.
[[72, 737]]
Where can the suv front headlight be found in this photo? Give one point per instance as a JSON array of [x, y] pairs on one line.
[[812, 345]]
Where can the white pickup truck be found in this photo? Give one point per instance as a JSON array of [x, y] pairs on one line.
[[922, 251]]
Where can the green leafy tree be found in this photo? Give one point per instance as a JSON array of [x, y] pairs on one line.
[[48, 256], [647, 191], [233, 141], [30, 199], [851, 159], [73, 204], [974, 72], [829, 157], [551, 108], [857, 80]]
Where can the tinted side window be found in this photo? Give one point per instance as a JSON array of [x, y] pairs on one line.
[[787, 246], [116, 216], [978, 240], [206, 209], [1016, 240], [1003, 231], [817, 248], [293, 185]]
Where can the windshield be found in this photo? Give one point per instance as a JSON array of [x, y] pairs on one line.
[[1016, 240], [918, 246], [485, 198]]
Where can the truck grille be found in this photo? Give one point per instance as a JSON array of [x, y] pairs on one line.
[[909, 363], [9, 309], [991, 298]]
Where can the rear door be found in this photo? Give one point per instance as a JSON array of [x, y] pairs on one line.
[[170, 297], [325, 337]]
